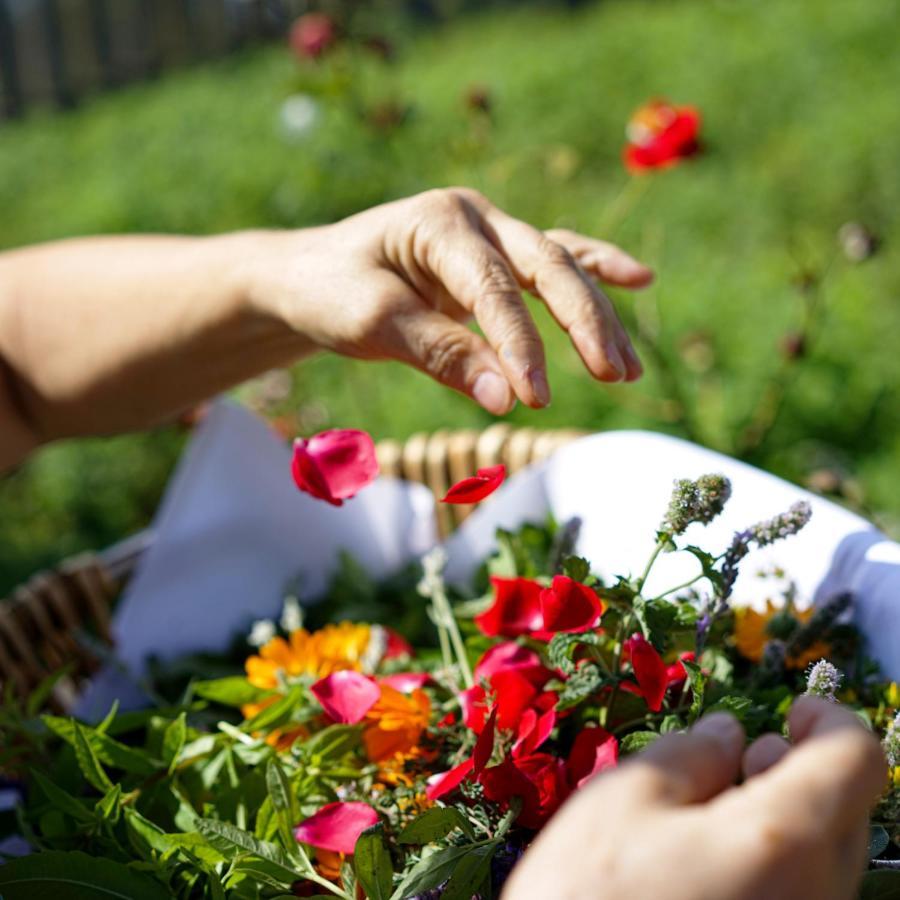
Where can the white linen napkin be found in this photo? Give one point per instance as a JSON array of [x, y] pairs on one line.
[[232, 531]]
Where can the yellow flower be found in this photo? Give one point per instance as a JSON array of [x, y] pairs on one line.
[[751, 634], [892, 695], [395, 723], [317, 654]]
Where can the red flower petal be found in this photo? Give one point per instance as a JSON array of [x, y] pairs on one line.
[[649, 669], [534, 728], [479, 486], [346, 696], [667, 134], [676, 673], [440, 785], [504, 656], [594, 750], [405, 682], [336, 826], [484, 746], [516, 608], [570, 606], [334, 465], [397, 645]]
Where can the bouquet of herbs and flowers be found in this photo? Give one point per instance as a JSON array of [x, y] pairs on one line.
[[419, 759]]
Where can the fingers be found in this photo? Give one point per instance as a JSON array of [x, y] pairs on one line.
[[452, 355], [578, 305], [603, 260], [479, 278], [832, 776], [763, 753], [692, 766]]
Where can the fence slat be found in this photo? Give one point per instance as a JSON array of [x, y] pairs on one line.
[[13, 103], [53, 34]]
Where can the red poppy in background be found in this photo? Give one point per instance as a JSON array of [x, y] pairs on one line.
[[661, 134], [480, 485], [334, 465], [312, 34]]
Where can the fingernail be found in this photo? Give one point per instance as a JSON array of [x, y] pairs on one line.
[[492, 392], [540, 387], [614, 359], [634, 360], [724, 728]]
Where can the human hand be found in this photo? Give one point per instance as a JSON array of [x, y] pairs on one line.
[[396, 281], [671, 822]]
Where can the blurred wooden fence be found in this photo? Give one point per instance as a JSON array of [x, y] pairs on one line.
[[56, 51]]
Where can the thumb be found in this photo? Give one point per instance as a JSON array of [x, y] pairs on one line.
[[693, 766]]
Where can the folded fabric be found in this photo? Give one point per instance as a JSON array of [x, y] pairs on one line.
[[233, 531]]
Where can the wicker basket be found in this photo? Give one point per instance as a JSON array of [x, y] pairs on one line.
[[61, 618]]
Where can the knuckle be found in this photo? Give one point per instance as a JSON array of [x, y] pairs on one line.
[[440, 202], [445, 356], [553, 255]]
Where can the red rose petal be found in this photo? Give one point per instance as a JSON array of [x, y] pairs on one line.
[[594, 750], [570, 606], [479, 486], [334, 465], [346, 696], [504, 656], [336, 826], [649, 669], [516, 609], [405, 682], [444, 783]]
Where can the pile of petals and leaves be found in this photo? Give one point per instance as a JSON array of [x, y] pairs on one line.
[[343, 761]]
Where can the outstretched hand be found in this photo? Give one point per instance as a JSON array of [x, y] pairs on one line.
[[672, 823], [396, 281]]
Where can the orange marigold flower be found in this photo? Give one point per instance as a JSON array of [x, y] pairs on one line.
[[751, 634], [317, 654], [395, 723]]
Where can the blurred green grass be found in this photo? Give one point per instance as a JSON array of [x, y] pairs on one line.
[[801, 127]]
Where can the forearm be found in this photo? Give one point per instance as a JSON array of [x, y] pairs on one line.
[[110, 334]]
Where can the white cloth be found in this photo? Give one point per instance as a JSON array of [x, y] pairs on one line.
[[232, 531]]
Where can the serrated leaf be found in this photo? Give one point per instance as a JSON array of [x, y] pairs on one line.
[[229, 839], [697, 681], [55, 875], [637, 741], [434, 824], [469, 873], [562, 648], [174, 738], [282, 800], [108, 750], [656, 618], [707, 563], [577, 568], [232, 691], [88, 762], [731, 703], [584, 682], [197, 846], [372, 863]]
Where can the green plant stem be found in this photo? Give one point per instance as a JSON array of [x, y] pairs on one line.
[[448, 627]]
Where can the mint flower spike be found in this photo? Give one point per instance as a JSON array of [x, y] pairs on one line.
[[782, 526], [822, 680], [891, 742], [695, 501]]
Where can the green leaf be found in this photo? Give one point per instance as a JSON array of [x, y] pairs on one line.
[[637, 741], [333, 742], [229, 838], [278, 713], [577, 568], [62, 799], [707, 564], [470, 873], [148, 835], [562, 648], [878, 885], [54, 875], [110, 805], [108, 750], [232, 691], [585, 681], [282, 800], [697, 681], [731, 703], [431, 870], [372, 862], [173, 741], [197, 847], [109, 718], [434, 824], [878, 841], [656, 619], [39, 696], [88, 762]]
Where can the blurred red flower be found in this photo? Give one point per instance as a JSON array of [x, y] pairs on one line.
[[568, 605], [312, 34], [334, 465], [660, 134], [482, 484], [516, 608]]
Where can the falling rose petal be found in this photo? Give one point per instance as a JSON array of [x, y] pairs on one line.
[[507, 655], [516, 609], [660, 135], [479, 486], [442, 784], [594, 750], [568, 605], [405, 682], [346, 696], [649, 669], [334, 465], [336, 826]]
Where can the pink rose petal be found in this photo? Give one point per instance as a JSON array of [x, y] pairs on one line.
[[336, 826], [346, 696]]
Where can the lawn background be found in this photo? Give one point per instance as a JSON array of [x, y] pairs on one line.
[[801, 129]]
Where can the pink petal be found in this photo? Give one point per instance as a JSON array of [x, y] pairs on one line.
[[336, 826], [334, 465], [346, 696], [479, 486], [405, 682]]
